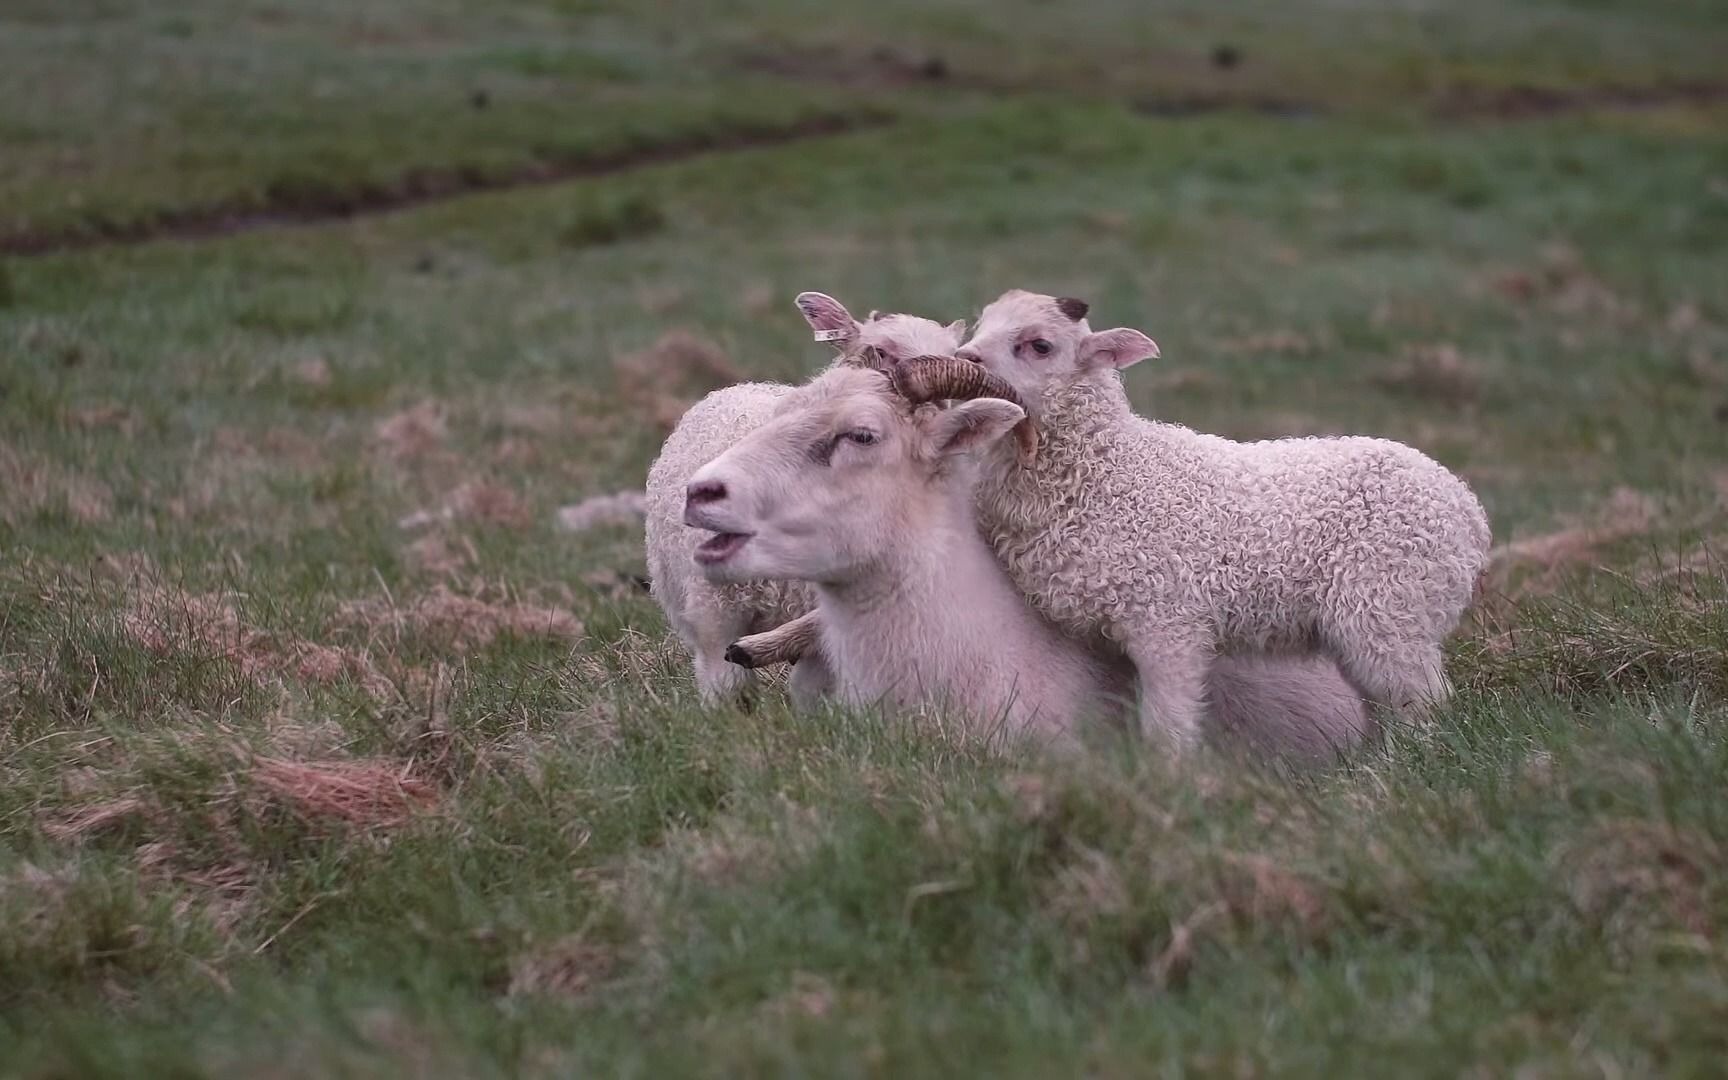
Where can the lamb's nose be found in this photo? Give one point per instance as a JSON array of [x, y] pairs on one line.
[[970, 355], [703, 492]]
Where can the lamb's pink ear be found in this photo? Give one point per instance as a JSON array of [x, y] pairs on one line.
[[1118, 348], [828, 317], [972, 425], [958, 329]]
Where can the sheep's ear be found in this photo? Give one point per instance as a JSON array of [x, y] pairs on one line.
[[827, 317], [971, 425], [1118, 348], [958, 329]]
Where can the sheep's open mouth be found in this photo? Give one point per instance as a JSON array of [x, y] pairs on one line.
[[720, 547]]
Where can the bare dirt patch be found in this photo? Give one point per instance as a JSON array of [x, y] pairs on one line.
[[882, 66], [1532, 102], [289, 204]]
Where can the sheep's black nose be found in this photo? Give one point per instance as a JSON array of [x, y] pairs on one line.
[[702, 492]]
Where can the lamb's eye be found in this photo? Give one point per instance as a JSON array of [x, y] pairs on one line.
[[861, 437], [1041, 347]]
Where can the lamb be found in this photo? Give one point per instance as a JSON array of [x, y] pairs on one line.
[[707, 617], [853, 488], [1175, 545]]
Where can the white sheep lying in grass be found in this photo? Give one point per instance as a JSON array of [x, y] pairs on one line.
[[707, 617], [1176, 545], [854, 489]]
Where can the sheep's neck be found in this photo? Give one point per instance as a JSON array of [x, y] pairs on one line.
[[1069, 424], [1073, 413], [926, 623]]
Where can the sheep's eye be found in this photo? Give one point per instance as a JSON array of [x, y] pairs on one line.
[[861, 437], [1041, 347]]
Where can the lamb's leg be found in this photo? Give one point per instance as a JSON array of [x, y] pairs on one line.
[[811, 683], [1172, 688], [1408, 677], [719, 682], [784, 644]]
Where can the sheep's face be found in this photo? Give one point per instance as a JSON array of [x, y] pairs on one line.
[[881, 340], [842, 475], [1040, 344]]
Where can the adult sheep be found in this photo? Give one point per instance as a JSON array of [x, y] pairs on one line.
[[854, 489], [1176, 545], [707, 617]]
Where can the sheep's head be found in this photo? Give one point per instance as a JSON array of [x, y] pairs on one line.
[[1039, 344], [883, 339], [846, 471]]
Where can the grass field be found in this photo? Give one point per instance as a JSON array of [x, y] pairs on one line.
[[324, 750]]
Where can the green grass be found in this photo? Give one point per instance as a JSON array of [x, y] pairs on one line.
[[213, 450]]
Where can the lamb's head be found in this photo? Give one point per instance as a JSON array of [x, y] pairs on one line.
[[883, 339], [1040, 344], [848, 470]]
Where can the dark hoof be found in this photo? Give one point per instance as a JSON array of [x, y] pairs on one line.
[[737, 654]]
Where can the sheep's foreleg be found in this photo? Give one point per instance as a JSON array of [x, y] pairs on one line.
[[812, 682], [1172, 690], [782, 645], [1407, 677]]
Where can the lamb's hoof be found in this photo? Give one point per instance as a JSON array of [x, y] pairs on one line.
[[738, 654]]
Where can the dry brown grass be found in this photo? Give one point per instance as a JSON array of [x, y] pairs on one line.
[[170, 621], [29, 486], [103, 417], [462, 621], [414, 432], [1540, 563], [664, 379], [313, 371], [490, 503], [436, 553], [365, 794], [1639, 876], [618, 508], [568, 968], [1561, 285], [1435, 372]]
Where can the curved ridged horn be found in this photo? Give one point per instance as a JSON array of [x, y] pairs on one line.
[[939, 378]]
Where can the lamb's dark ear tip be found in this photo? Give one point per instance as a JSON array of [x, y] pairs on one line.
[[1074, 309], [737, 654]]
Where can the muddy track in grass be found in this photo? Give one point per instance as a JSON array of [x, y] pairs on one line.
[[417, 187]]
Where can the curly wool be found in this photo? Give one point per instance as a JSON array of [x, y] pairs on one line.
[[1341, 543], [701, 612]]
